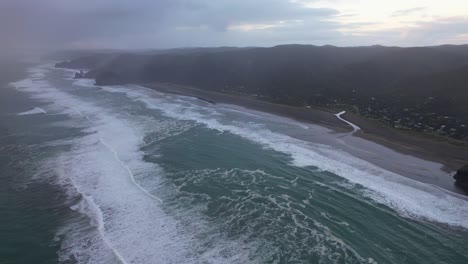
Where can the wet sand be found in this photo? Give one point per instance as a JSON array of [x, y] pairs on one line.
[[411, 155], [316, 116]]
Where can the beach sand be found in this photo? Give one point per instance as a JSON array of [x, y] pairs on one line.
[[414, 156]]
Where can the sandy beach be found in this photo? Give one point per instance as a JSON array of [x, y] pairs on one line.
[[415, 156]]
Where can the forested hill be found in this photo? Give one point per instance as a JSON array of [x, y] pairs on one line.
[[423, 88]]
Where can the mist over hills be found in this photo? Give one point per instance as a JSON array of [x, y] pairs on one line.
[[421, 88]]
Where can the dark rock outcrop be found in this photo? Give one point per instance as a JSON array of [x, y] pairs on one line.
[[461, 178], [80, 75]]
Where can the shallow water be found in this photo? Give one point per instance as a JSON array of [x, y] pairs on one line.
[[126, 174]]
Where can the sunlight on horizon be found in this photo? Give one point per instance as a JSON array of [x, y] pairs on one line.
[[383, 15]]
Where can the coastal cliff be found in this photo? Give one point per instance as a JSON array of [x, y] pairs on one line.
[[461, 178]]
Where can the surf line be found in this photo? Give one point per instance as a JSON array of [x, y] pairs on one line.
[[36, 110], [132, 177], [355, 128], [116, 156], [101, 229]]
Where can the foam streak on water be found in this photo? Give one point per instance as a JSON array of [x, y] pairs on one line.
[[409, 197], [36, 110], [163, 178], [130, 224]]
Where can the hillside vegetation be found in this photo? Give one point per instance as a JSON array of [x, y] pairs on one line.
[[421, 89]]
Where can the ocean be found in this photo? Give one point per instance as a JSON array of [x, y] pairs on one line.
[[125, 174]]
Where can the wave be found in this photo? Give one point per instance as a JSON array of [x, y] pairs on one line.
[[34, 111], [408, 197], [84, 82], [102, 167]]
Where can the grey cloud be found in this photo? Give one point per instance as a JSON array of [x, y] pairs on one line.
[[55, 24], [136, 23], [405, 12], [304, 32], [437, 32], [223, 13], [60, 23]]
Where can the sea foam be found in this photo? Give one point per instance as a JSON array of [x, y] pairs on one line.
[[34, 111], [130, 223], [409, 197]]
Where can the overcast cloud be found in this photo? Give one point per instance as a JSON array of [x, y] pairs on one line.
[[136, 24]]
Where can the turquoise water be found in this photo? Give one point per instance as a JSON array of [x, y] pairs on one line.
[[127, 175], [31, 208]]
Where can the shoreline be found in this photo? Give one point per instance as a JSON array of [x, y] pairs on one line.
[[321, 117], [382, 140]]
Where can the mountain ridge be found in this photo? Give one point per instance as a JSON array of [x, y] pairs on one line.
[[392, 84]]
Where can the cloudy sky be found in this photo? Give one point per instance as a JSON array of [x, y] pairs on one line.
[[139, 24]]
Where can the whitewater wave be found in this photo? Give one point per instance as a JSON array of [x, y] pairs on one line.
[[84, 82], [105, 170], [409, 197], [129, 222], [34, 111]]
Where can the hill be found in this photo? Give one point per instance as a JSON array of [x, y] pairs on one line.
[[422, 88]]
